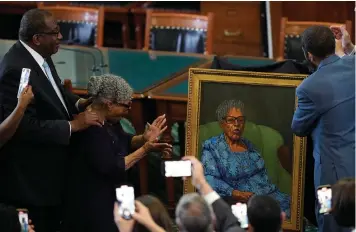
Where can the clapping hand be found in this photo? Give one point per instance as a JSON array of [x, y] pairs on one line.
[[154, 146], [155, 129]]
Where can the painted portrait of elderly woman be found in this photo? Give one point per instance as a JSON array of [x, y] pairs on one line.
[[233, 165], [239, 127]]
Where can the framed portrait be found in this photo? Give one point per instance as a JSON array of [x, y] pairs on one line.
[[239, 127]]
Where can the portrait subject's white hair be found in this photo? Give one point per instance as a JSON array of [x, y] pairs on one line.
[[225, 106]]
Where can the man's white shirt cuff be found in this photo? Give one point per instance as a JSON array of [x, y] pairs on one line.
[[210, 198]]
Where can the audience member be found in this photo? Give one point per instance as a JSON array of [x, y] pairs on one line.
[[194, 214], [158, 212], [35, 157], [264, 214], [326, 111], [101, 155], [9, 220], [142, 216], [343, 202], [9, 126], [221, 214]]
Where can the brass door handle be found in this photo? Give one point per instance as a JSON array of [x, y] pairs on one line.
[[236, 33]]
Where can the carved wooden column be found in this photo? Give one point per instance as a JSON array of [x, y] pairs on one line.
[[162, 108], [139, 123]]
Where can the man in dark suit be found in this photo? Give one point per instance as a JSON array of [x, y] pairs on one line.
[[326, 110], [33, 161]]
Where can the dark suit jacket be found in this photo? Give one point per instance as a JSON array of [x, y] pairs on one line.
[[33, 161], [225, 219], [96, 168]]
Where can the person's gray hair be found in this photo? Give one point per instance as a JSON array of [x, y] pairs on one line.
[[194, 214], [225, 106], [110, 87]]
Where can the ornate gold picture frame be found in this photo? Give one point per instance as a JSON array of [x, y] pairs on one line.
[[270, 102]]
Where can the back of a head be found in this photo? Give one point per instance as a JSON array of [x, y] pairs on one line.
[[33, 22], [158, 213], [9, 220], [193, 214], [109, 87], [264, 214], [319, 41], [343, 202]]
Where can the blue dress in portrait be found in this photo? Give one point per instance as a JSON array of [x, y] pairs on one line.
[[245, 171]]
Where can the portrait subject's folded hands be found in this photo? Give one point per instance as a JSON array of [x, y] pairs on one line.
[[240, 196]]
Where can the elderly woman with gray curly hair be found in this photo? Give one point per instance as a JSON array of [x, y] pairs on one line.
[[233, 166], [101, 155]]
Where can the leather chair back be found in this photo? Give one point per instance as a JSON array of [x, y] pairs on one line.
[[79, 25], [290, 37], [177, 32]]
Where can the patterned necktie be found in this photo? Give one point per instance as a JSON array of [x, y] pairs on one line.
[[54, 85]]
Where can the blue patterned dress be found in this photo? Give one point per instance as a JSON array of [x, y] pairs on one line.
[[245, 171]]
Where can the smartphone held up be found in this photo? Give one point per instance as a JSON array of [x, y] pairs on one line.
[[125, 196], [181, 168]]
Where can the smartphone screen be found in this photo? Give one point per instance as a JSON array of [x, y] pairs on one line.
[[25, 76], [178, 168], [23, 218], [240, 212], [324, 198], [126, 197]]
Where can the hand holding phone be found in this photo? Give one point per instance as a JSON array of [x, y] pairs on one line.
[[240, 212], [324, 198], [180, 168], [23, 218], [126, 197], [25, 77]]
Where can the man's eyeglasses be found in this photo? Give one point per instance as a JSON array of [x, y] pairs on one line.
[[235, 120], [55, 33]]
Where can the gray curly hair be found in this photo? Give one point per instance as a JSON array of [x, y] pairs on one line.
[[111, 87], [225, 106]]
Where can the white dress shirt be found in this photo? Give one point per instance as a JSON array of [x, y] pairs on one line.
[[40, 60]]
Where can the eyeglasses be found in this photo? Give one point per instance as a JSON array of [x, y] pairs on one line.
[[56, 33], [128, 106], [235, 120]]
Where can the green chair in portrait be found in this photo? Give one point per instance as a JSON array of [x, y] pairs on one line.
[[266, 140]]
